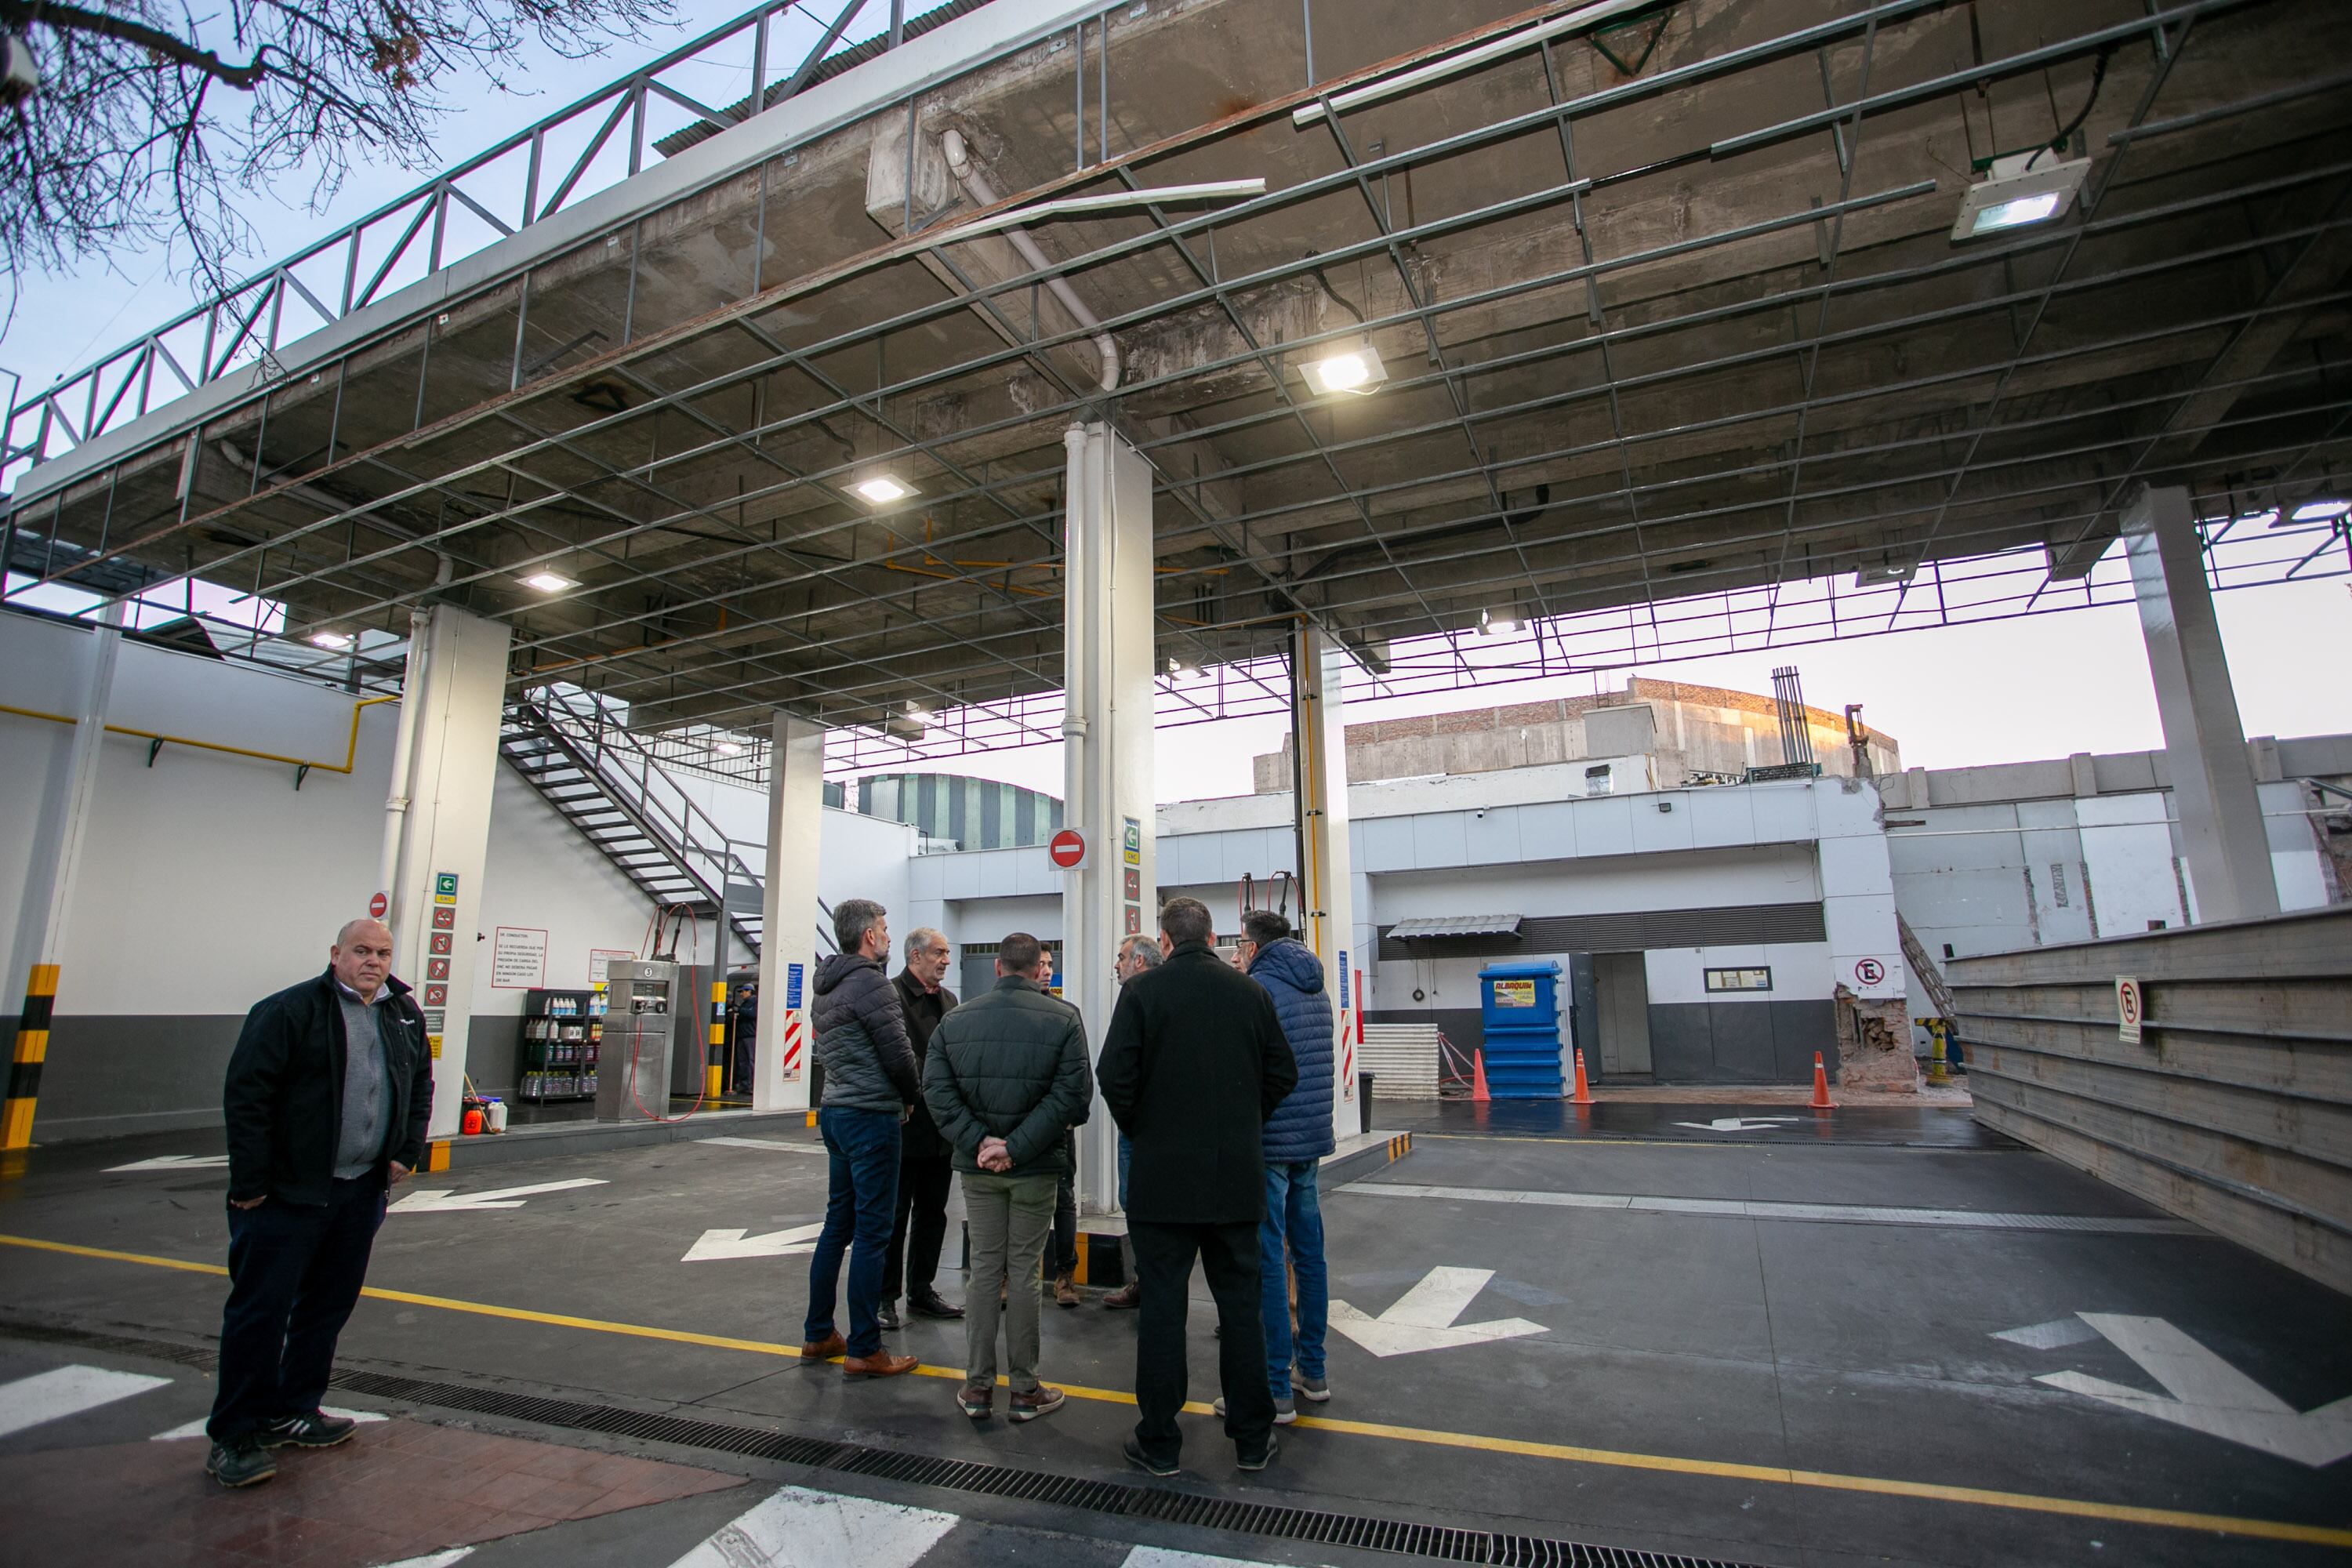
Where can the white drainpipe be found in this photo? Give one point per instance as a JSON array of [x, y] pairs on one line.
[[975, 185]]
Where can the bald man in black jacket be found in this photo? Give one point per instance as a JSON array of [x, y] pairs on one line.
[[1193, 1064]]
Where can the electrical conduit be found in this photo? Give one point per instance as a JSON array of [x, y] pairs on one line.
[[975, 185]]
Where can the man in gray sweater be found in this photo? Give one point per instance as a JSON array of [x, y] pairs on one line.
[[1006, 1079]]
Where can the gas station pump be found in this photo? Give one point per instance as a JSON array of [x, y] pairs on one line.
[[633, 1064]]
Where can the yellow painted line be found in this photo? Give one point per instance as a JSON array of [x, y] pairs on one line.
[[1563, 1453]]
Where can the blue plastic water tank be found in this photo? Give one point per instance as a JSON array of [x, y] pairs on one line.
[[1520, 1005]]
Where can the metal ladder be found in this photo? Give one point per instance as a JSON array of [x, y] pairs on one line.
[[600, 777]]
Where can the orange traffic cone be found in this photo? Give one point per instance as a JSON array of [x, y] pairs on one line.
[[1583, 1090], [1479, 1095], [1821, 1100]]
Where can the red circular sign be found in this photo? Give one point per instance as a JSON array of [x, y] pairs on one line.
[[1870, 972], [377, 905], [1068, 849]]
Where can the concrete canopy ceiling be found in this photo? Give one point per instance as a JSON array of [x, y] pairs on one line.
[[1626, 363]]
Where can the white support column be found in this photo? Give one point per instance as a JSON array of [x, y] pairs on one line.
[[1318, 730], [45, 944], [439, 838], [2204, 742], [1108, 794], [785, 1050]]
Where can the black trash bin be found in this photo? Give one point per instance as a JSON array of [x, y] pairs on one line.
[[1364, 1100]]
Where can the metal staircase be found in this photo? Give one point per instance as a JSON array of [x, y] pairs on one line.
[[599, 777]]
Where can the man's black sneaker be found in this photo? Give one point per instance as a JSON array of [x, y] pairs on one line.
[[1143, 1461], [1264, 1455], [316, 1430], [888, 1317], [931, 1304], [243, 1463]]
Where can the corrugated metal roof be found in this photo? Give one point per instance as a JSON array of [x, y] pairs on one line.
[[1455, 925]]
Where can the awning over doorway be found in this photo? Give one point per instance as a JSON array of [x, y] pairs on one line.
[[1455, 925]]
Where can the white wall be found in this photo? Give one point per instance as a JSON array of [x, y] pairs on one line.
[[544, 876]]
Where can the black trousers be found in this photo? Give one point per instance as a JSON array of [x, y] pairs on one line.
[[1063, 1255], [295, 1273], [919, 1228], [1163, 1266]]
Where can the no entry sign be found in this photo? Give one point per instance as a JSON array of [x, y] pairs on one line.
[[377, 906], [1068, 849]]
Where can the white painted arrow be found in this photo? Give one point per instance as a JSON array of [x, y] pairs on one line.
[[172, 1162], [721, 1244], [2209, 1394], [1739, 1123], [1422, 1318], [444, 1201]]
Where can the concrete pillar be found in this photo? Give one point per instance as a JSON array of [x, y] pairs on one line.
[[788, 916], [1326, 882], [42, 947], [1108, 794], [2212, 780], [437, 832]]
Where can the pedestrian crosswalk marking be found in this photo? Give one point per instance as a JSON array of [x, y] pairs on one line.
[[798, 1528], [65, 1391]]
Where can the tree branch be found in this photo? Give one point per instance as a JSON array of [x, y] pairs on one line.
[[244, 78]]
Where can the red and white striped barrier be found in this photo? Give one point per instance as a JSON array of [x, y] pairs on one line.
[[794, 1039]]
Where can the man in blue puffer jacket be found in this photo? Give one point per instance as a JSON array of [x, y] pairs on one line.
[[1297, 1135]]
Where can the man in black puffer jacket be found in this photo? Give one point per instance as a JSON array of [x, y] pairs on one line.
[[869, 1084], [1006, 1080]]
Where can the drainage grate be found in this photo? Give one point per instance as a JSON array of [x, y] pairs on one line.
[[1167, 1507]]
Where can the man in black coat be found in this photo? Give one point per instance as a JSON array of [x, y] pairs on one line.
[[925, 1173], [1193, 1064], [327, 1098]]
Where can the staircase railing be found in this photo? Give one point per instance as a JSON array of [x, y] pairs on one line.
[[617, 761], [591, 735]]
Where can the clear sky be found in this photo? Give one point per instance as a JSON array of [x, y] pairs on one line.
[[2040, 686], [2044, 686]]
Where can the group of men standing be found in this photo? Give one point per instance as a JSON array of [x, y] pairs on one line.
[[1220, 1084]]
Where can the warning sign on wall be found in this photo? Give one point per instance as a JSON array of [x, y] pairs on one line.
[[2131, 1009], [518, 958]]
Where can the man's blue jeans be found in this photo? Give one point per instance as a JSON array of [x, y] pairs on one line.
[[862, 1195], [1293, 1224]]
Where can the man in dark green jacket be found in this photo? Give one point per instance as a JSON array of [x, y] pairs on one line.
[[1006, 1076]]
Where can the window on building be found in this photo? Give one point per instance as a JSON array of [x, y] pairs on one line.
[[1759, 979], [1598, 780]]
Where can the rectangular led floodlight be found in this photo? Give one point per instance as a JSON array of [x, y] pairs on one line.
[[2019, 191]]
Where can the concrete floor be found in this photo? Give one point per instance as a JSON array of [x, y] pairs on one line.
[[1699, 1367]]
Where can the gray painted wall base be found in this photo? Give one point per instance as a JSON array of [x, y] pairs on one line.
[[112, 1075]]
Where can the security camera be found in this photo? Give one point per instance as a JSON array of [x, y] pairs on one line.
[[1480, 814]]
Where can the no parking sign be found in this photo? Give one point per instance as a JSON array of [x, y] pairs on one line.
[[2131, 1009]]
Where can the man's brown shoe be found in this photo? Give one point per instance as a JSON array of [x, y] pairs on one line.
[[975, 1399], [1042, 1400], [881, 1363], [1126, 1299], [1066, 1290], [816, 1352]]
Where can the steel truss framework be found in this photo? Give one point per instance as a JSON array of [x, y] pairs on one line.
[[1652, 340]]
